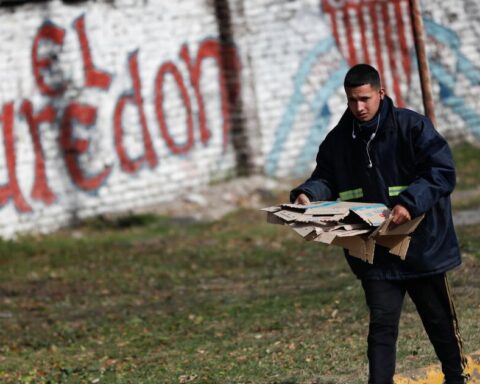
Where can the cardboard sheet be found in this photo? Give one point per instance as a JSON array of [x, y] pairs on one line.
[[357, 227]]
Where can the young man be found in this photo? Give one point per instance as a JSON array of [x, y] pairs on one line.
[[382, 154]]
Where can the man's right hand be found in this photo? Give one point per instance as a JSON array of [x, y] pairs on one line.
[[302, 199]]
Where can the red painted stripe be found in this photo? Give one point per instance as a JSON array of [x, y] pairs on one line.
[[376, 40], [363, 32], [352, 55], [402, 38], [327, 7], [391, 55]]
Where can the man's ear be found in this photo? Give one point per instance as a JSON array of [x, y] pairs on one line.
[[382, 93]]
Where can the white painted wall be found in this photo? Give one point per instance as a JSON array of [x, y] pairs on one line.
[[291, 67]]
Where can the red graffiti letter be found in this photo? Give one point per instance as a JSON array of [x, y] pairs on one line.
[[40, 190], [72, 147], [41, 64], [129, 165], [11, 190], [164, 69], [93, 76], [229, 62]]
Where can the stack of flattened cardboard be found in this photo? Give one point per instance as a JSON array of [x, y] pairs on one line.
[[357, 227]]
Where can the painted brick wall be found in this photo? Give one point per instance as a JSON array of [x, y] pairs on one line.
[[111, 106], [108, 107], [300, 51]]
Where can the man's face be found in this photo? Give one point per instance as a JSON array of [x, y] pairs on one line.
[[364, 101]]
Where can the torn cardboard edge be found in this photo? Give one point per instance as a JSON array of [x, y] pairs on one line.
[[312, 223], [386, 228]]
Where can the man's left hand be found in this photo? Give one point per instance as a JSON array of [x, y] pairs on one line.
[[400, 214]]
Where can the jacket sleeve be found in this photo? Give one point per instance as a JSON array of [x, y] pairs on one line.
[[320, 185], [435, 170]]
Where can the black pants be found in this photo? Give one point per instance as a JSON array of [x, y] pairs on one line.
[[434, 304]]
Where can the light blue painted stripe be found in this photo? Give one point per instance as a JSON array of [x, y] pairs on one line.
[[450, 39], [442, 75], [297, 98], [439, 32], [322, 120], [457, 104], [466, 67], [447, 80]]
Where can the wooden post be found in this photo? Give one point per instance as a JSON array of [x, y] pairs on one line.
[[422, 59]]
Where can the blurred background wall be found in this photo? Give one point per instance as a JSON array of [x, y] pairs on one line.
[[108, 106]]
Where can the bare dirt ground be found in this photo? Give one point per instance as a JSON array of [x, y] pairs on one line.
[[212, 202]]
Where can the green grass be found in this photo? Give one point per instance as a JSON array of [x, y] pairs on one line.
[[146, 299], [467, 163]]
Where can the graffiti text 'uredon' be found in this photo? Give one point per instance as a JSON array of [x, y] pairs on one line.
[[67, 117]]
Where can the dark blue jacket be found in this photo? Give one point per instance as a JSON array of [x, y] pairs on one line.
[[411, 165]]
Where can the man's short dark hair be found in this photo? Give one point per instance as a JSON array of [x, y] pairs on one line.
[[362, 74]]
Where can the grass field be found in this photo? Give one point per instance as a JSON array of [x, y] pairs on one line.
[[467, 164], [148, 299]]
